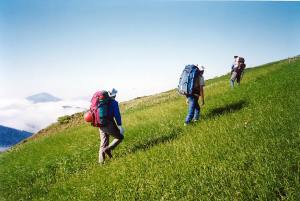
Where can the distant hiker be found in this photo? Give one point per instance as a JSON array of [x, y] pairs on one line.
[[237, 70], [191, 84], [106, 115]]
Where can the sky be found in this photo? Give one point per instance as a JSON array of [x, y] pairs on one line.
[[73, 48]]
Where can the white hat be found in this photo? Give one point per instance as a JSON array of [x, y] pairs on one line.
[[113, 92], [201, 68]]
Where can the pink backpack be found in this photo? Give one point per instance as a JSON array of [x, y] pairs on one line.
[[99, 108]]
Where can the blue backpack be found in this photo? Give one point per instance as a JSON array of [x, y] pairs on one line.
[[188, 80]]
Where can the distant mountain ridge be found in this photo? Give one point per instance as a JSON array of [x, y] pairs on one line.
[[11, 136], [42, 98]]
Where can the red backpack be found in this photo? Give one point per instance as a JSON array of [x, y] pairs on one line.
[[99, 108]]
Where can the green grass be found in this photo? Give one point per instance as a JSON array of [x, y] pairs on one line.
[[246, 147]]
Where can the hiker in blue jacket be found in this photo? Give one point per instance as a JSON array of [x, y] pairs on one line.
[[113, 128], [192, 100]]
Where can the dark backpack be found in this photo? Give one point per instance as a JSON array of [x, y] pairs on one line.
[[188, 82], [99, 108], [242, 66], [241, 60]]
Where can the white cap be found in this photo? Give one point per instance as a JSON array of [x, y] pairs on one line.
[[201, 68], [113, 92]]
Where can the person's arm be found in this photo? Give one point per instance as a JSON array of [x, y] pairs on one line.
[[117, 114], [202, 84], [202, 93]]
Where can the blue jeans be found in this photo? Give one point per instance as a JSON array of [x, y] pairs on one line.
[[194, 109]]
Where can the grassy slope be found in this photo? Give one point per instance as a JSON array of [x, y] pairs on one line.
[[245, 147]]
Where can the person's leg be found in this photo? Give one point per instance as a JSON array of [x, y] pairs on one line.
[[197, 109], [104, 140], [232, 79], [238, 78], [191, 109], [115, 132]]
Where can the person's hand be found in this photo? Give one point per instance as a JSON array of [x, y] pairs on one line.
[[202, 103], [121, 130]]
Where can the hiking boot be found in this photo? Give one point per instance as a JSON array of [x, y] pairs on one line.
[[108, 152]]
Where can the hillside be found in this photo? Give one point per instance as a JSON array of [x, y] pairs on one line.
[[246, 147]]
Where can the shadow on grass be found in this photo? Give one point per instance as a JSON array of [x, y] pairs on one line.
[[229, 108], [175, 132], [155, 141]]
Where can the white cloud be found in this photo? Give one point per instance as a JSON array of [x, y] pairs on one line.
[[24, 115]]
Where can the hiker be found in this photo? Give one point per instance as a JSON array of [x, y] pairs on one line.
[[191, 84], [237, 70], [104, 113], [113, 128]]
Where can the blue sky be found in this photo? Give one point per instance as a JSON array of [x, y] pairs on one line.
[[73, 48]]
